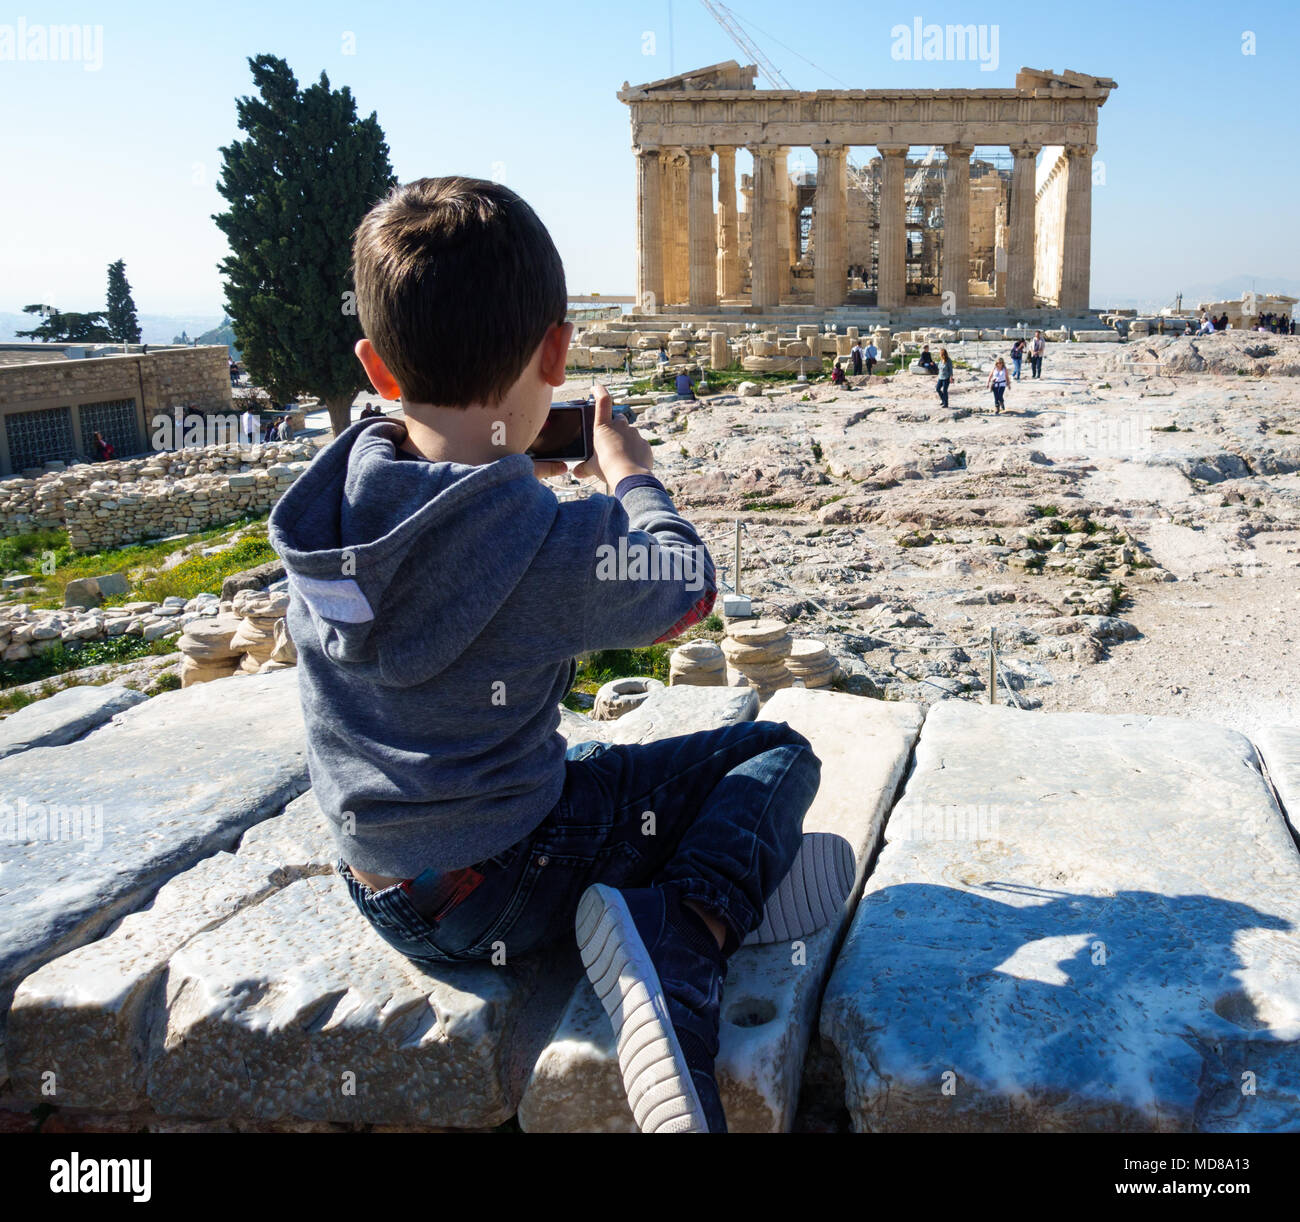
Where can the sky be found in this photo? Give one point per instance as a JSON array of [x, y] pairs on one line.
[[116, 155]]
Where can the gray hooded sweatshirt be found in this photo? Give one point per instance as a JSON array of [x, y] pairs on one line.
[[437, 610]]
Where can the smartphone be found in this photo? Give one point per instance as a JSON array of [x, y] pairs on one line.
[[566, 435]]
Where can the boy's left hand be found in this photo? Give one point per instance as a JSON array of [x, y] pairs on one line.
[[545, 470]]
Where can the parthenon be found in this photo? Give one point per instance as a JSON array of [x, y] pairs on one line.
[[1009, 230]]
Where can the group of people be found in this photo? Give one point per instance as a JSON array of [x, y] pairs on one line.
[[1278, 324], [1209, 324], [999, 376], [277, 430], [370, 411]]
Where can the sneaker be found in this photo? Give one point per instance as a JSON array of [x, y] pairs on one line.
[[658, 972], [812, 894]]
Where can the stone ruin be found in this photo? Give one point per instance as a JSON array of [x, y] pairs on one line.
[[994, 851], [105, 505]]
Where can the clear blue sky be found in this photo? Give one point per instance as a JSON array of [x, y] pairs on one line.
[[1199, 141]]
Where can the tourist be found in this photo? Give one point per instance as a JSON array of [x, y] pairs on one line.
[[663, 355], [248, 427], [1037, 346], [856, 354], [870, 355], [1017, 355], [945, 376], [468, 584], [103, 450], [285, 432], [926, 361], [1187, 329], [998, 383], [684, 388], [837, 374]]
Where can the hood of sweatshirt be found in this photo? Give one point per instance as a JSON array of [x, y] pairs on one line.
[[399, 563]]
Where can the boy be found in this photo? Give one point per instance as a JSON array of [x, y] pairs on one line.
[[440, 593]]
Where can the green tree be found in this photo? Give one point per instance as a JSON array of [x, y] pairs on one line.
[[123, 325], [297, 188], [59, 328]]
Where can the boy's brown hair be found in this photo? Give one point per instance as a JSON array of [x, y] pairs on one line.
[[457, 283]]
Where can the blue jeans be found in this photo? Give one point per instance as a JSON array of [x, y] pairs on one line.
[[1015, 365], [942, 387], [716, 815]]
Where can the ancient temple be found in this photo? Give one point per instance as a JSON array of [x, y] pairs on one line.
[[972, 198]]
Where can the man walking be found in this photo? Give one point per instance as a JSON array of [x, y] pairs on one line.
[[1036, 348]]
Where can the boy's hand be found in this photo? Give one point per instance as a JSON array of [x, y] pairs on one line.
[[545, 469], [618, 449]]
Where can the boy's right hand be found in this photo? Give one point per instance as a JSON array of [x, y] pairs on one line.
[[618, 450]]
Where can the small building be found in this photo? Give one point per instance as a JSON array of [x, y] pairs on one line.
[[1245, 313], [55, 397]]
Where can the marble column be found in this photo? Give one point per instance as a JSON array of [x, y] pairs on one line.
[[783, 224], [762, 243], [1076, 236], [955, 273], [702, 234], [649, 231], [891, 275], [1020, 240], [728, 235], [676, 263], [830, 214]]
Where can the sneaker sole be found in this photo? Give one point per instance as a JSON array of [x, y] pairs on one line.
[[655, 1074], [810, 897]]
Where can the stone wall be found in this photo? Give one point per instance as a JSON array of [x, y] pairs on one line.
[[1049, 230], [154, 382], [44, 503], [110, 514]]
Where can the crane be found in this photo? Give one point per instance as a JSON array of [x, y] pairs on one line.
[[727, 20]]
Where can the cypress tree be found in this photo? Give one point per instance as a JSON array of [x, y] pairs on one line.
[[297, 187], [123, 325]]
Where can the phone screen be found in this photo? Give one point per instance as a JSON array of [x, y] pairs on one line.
[[563, 436]]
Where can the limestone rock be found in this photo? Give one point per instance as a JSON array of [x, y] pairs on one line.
[[175, 779], [620, 696], [64, 717], [303, 995], [769, 1006], [1091, 921], [1280, 747]]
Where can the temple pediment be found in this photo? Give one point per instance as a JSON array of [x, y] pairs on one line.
[[726, 75]]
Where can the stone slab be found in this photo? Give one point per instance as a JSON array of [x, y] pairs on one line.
[[86, 1016], [769, 1008], [1280, 747], [91, 830], [64, 717], [1077, 922], [322, 1021]]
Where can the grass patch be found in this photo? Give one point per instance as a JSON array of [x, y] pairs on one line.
[[199, 573], [63, 657], [48, 555], [1045, 511]]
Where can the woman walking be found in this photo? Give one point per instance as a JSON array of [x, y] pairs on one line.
[[1017, 355], [945, 376], [998, 382]]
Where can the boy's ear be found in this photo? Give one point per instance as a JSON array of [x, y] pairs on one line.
[[554, 353], [384, 383]]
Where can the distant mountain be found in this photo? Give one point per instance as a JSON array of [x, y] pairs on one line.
[[224, 334]]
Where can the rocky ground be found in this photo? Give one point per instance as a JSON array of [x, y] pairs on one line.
[[1129, 526]]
